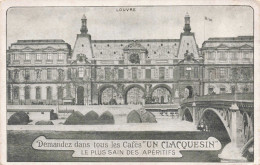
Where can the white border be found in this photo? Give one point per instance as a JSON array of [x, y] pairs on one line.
[[5, 4]]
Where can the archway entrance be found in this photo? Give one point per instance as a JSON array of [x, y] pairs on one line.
[[161, 95], [80, 95], [109, 97], [134, 96], [188, 93]]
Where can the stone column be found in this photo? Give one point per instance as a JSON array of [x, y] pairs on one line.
[[231, 152], [194, 113], [234, 112]]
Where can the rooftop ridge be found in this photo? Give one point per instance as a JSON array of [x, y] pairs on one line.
[[41, 41], [139, 40]]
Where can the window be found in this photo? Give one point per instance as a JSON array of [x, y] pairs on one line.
[[27, 56], [27, 92], [9, 74], [49, 93], [120, 73], [196, 72], [60, 92], [246, 55], [134, 73], [69, 73], [38, 57], [222, 56], [38, 74], [15, 56], [222, 73], [107, 73], [27, 75], [16, 93], [188, 71], [81, 72], [60, 56], [148, 73], [181, 71], [211, 56], [38, 93], [233, 56], [9, 92], [161, 73], [16, 74], [49, 74], [61, 74], [212, 74], [49, 56], [210, 90], [245, 89], [222, 90]]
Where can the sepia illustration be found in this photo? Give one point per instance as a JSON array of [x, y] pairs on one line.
[[130, 84]]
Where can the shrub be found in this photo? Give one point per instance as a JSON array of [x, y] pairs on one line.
[[53, 116], [43, 122], [76, 118], [134, 117], [106, 118], [92, 117], [148, 117], [19, 118]]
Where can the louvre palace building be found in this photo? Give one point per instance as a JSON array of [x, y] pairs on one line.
[[151, 71]]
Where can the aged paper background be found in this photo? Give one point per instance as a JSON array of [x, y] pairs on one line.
[[10, 3]]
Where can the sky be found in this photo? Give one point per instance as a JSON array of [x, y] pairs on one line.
[[107, 23]]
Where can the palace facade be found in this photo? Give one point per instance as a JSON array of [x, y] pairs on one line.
[[126, 71]]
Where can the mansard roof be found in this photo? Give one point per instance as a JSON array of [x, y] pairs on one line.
[[240, 42], [156, 48], [39, 45], [135, 45]]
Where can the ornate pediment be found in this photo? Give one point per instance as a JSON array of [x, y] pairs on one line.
[[28, 49], [222, 47], [49, 49], [246, 47]]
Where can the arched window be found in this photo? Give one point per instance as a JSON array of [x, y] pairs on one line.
[[27, 93], [49, 93], [16, 74], [60, 92], [9, 92], [61, 74], [38, 93], [16, 94], [245, 89]]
